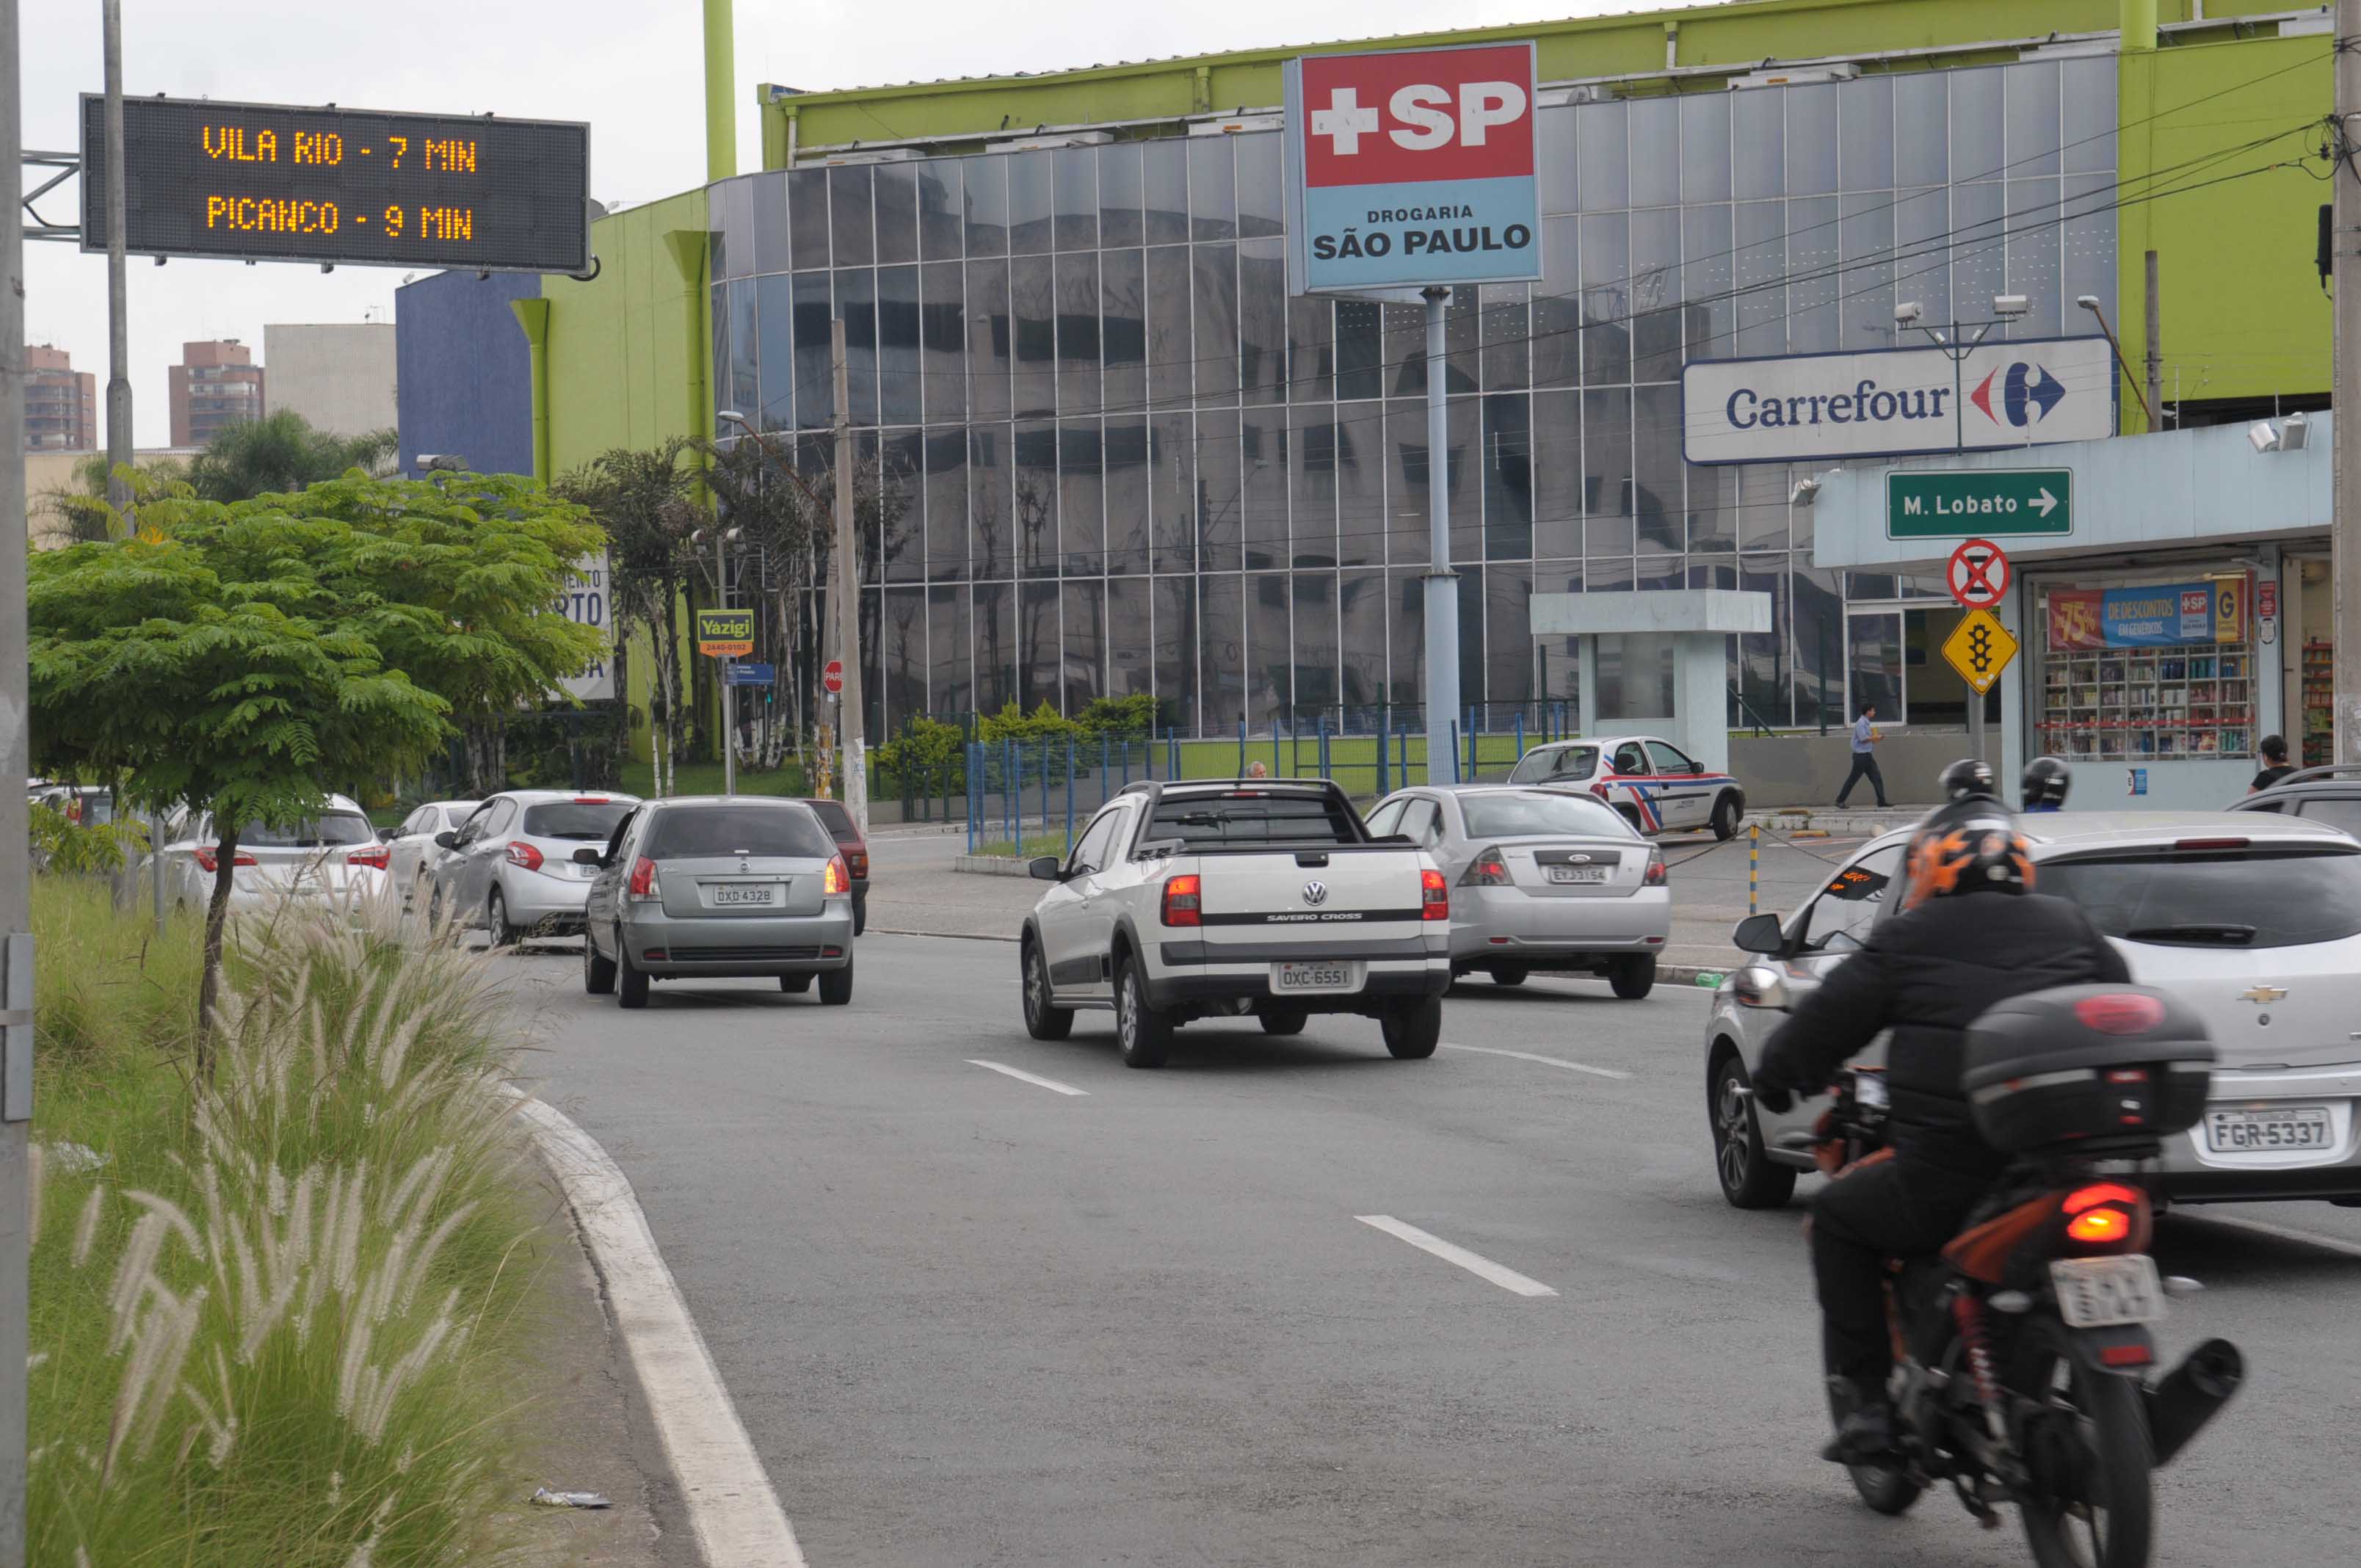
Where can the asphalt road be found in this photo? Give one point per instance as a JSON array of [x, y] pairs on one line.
[[971, 1320]]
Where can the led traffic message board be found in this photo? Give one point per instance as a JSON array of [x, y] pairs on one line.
[[270, 182]]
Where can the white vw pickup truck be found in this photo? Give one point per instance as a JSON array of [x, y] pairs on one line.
[[1218, 898]]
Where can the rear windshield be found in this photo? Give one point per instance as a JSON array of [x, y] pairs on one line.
[[688, 832], [336, 828], [1562, 762], [1529, 816], [1248, 820], [835, 818], [573, 819], [2215, 900]]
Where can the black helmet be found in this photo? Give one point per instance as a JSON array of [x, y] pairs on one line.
[[1968, 778], [2047, 779]]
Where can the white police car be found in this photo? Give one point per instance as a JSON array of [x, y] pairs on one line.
[[1658, 787]]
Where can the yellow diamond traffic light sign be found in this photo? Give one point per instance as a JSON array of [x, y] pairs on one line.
[[1980, 649]]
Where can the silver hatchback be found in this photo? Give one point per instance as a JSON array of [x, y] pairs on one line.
[[713, 887], [510, 867]]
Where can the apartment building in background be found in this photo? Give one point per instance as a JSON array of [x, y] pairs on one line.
[[61, 402], [339, 375], [215, 385]]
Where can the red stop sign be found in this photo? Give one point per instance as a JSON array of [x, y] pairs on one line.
[[832, 677]]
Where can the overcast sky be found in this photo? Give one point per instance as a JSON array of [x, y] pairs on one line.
[[633, 68]]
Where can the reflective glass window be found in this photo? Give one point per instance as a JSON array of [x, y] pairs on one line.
[[1655, 311], [772, 252], [1086, 642], [1039, 646], [1222, 650], [744, 350], [1077, 333], [2030, 113], [774, 305], [2035, 230], [1557, 473], [1463, 431], [1764, 677], [1557, 167], [902, 506], [1360, 349], [943, 340], [1123, 335], [1124, 447], [1361, 629], [1865, 133], [1762, 257], [1171, 340], [814, 309], [1172, 493], [1262, 510], [1261, 202], [2089, 262], [1220, 489], [1508, 464], [1407, 534], [984, 198], [901, 388], [1705, 145], [994, 643], [1311, 348], [991, 505], [1712, 509], [851, 224], [1811, 138], [1922, 127], [1600, 134], [856, 301], [1710, 319], [950, 681], [1082, 499], [1076, 176], [1359, 441], [730, 244], [1865, 287], [1213, 278], [946, 502], [1508, 635], [1405, 327], [1212, 189], [1164, 181], [1262, 321], [1406, 644], [718, 311], [1655, 152], [807, 218], [1032, 179], [1036, 458], [1033, 317], [1175, 632], [1270, 651], [1606, 299], [1311, 484], [1507, 331], [1979, 262], [941, 222], [897, 213], [1812, 240], [1657, 468], [989, 339], [1558, 306], [1129, 668], [1119, 189], [2088, 87], [1315, 678], [1757, 135], [1923, 268], [1606, 499], [1978, 143]]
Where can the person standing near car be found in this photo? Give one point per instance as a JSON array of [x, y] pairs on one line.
[[1865, 756], [2274, 763]]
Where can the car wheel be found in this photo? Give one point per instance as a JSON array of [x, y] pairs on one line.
[[598, 973], [1633, 976], [498, 930], [1284, 1020], [835, 984], [1043, 1021], [1725, 817], [1412, 1032], [1509, 974], [1144, 1033], [796, 985], [434, 910], [630, 980], [1747, 1178]]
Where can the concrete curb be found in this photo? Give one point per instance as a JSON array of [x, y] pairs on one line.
[[989, 865]]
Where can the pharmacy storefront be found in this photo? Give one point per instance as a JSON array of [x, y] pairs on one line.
[[2169, 603]]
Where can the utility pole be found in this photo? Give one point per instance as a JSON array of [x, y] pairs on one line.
[[16, 857], [2348, 384], [729, 686], [2155, 350], [1442, 582], [118, 308], [845, 596]]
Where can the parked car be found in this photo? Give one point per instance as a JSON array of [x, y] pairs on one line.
[[410, 851], [334, 854], [713, 887], [1539, 880], [1222, 898], [2330, 795], [846, 833], [2253, 918], [1658, 787], [510, 868]]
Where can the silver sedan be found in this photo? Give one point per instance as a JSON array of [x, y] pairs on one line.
[[1540, 879]]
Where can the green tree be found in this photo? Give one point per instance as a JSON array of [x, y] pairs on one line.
[[79, 510], [281, 453], [250, 659], [643, 500]]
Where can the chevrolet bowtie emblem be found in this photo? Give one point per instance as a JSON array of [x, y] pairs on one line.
[[2262, 996]]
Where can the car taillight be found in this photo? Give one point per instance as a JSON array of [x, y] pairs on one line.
[[859, 862], [1487, 870], [1599, 789], [375, 855], [1184, 902], [1657, 876], [524, 854], [1435, 896], [644, 883], [207, 859], [839, 879]]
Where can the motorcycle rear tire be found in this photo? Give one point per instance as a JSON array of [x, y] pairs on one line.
[[1886, 1488], [2118, 1460]]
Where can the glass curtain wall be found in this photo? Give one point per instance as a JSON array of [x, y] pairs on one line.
[[1122, 459]]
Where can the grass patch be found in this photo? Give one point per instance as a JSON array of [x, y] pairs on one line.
[[275, 1319], [1040, 844], [705, 778]]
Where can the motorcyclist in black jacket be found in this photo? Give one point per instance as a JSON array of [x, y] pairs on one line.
[[1971, 932]]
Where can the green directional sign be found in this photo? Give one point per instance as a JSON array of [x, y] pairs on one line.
[[1978, 503]]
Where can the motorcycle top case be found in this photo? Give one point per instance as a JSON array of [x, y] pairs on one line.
[[2081, 1063]]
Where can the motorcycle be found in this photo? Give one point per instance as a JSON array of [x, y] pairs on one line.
[[2022, 1352]]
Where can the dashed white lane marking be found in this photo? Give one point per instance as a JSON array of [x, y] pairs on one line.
[[1474, 1263], [2285, 1233], [1021, 1076], [1545, 1061], [732, 1511]]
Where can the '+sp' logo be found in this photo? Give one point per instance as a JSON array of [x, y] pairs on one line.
[[1345, 121]]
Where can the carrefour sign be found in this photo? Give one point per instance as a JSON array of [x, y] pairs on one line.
[[1894, 402], [1410, 168]]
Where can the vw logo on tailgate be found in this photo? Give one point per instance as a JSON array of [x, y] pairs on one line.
[[1315, 894]]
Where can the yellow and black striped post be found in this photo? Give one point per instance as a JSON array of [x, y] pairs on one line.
[[1753, 865]]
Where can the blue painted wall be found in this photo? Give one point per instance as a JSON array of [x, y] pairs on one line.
[[466, 374]]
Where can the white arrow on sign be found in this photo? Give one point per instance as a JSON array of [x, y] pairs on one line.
[[2043, 503]]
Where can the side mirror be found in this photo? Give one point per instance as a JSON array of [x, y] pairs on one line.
[[586, 856], [1046, 867], [1758, 934], [446, 840]]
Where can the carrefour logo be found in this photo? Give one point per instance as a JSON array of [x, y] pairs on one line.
[[2027, 392]]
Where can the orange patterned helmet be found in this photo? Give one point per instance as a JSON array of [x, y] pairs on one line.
[[1982, 853]]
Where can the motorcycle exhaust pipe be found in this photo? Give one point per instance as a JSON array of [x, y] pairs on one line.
[[2180, 1407]]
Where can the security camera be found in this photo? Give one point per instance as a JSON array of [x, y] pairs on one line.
[[1908, 312], [2008, 307], [1805, 492], [2262, 437]]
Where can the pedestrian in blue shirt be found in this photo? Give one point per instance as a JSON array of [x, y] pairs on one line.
[[1864, 759]]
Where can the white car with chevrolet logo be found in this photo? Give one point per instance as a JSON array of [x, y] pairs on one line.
[[1222, 898], [2252, 918], [1656, 786]]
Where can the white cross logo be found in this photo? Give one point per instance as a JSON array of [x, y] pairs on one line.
[[1345, 122]]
